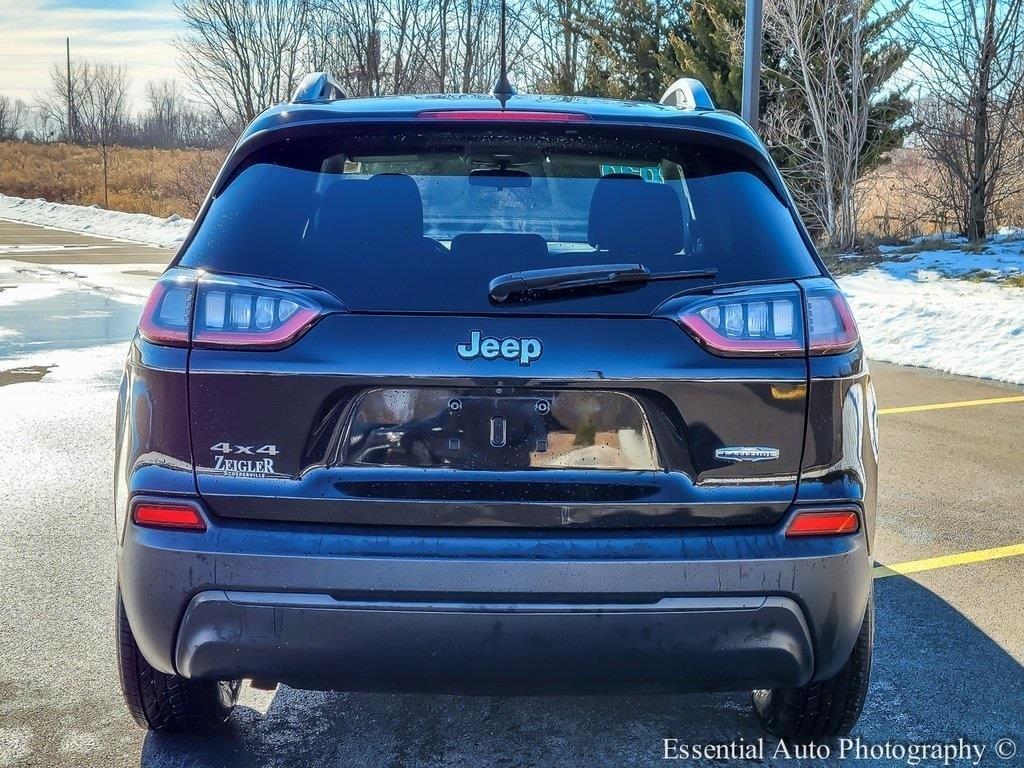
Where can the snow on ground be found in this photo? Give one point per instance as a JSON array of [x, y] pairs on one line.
[[135, 227], [914, 310], [131, 283], [933, 304]]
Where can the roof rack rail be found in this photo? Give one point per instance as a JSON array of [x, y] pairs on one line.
[[687, 93], [317, 87]]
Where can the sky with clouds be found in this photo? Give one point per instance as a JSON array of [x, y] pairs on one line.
[[136, 33]]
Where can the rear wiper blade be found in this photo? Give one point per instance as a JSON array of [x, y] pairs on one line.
[[531, 283]]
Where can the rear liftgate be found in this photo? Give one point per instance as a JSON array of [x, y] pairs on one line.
[[304, 412]]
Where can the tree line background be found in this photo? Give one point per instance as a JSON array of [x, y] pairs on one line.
[[910, 112]]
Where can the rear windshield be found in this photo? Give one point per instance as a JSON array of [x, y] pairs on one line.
[[424, 221]]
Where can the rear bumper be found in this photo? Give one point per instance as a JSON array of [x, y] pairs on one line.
[[314, 641], [555, 612]]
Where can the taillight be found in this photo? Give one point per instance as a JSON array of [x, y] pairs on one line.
[[768, 321], [503, 116], [168, 515], [823, 523], [760, 322], [831, 328], [232, 312], [167, 316], [224, 311]]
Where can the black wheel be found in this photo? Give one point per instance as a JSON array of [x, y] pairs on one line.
[[826, 709], [168, 703]]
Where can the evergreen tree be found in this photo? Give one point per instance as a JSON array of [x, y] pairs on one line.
[[709, 46], [629, 41], [889, 121]]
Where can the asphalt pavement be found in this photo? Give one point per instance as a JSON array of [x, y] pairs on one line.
[[949, 643]]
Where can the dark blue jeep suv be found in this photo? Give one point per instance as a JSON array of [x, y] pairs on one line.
[[448, 394]]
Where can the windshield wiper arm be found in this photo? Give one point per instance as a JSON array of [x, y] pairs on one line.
[[525, 285]]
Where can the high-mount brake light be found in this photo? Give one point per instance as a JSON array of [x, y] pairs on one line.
[[823, 523], [763, 322], [223, 311], [182, 517], [504, 116]]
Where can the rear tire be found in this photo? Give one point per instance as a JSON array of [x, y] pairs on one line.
[[168, 703], [826, 709]]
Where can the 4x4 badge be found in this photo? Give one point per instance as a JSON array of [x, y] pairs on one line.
[[524, 350]]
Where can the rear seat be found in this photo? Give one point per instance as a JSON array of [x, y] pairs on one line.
[[384, 212], [630, 217]]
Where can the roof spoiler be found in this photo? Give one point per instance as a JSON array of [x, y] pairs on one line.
[[687, 93], [317, 87]]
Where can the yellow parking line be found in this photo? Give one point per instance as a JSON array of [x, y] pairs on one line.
[[946, 561], [955, 404]]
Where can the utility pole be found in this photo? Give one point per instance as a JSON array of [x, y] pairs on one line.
[[71, 125], [752, 62]]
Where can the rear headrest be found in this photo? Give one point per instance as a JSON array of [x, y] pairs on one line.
[[629, 216], [395, 200], [382, 209]]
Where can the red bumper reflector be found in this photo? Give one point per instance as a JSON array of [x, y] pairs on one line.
[[178, 516], [815, 523]]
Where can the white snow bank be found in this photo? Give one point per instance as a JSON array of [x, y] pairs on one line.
[[913, 311], [971, 329], [1001, 257], [136, 227]]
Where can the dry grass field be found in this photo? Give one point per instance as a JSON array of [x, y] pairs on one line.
[[155, 181], [898, 200]]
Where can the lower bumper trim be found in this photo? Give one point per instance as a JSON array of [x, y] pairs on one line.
[[670, 645]]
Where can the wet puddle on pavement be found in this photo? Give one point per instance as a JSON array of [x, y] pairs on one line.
[[53, 314], [22, 375]]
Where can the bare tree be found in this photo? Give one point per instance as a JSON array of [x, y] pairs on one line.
[[970, 64], [167, 112], [103, 114], [562, 42], [820, 118], [98, 115], [242, 56], [470, 56], [202, 129], [57, 118], [195, 177], [374, 47], [13, 117], [379, 47]]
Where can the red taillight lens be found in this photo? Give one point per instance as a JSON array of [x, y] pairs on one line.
[[823, 523], [232, 312], [176, 516], [764, 322], [167, 316], [831, 328], [768, 321], [504, 116], [229, 312]]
